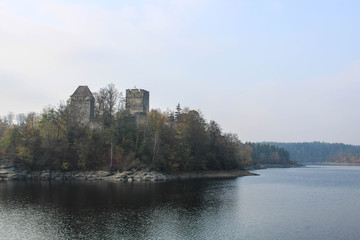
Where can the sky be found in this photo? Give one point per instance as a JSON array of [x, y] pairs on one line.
[[267, 70]]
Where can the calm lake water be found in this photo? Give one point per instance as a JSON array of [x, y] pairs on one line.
[[314, 202]]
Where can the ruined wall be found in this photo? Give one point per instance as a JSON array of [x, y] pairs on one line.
[[137, 101], [82, 104]]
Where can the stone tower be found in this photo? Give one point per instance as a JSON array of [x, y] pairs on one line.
[[137, 101], [82, 105]]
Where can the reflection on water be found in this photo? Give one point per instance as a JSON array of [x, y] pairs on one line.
[[303, 203], [107, 210]]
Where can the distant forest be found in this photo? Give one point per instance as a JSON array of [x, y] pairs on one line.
[[320, 152], [269, 154], [181, 140]]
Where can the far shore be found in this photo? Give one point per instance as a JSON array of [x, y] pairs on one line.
[[287, 165], [210, 174], [334, 163]]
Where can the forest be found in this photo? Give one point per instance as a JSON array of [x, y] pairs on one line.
[[179, 140], [321, 152], [269, 154]]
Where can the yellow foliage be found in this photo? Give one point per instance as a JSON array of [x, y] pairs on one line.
[[65, 166], [25, 153], [175, 166]]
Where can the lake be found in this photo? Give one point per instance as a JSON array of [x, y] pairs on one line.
[[313, 202]]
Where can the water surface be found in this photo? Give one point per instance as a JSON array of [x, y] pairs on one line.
[[315, 202]]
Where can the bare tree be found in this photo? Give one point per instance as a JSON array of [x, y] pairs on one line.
[[111, 101], [107, 103]]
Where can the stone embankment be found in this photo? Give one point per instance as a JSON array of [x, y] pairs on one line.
[[9, 172]]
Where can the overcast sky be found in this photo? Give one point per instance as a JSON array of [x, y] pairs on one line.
[[284, 71]]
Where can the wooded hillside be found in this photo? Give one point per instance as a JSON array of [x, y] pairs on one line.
[[320, 152]]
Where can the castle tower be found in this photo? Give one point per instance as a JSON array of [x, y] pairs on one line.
[[82, 105], [137, 101]]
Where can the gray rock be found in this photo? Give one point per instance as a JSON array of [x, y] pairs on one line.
[[102, 173]]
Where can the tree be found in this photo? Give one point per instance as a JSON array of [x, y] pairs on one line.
[[107, 102], [3, 126], [193, 140], [216, 141], [155, 125], [178, 111]]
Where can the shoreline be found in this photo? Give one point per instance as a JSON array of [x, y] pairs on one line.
[[123, 176], [9, 172], [289, 165], [210, 174], [334, 164]]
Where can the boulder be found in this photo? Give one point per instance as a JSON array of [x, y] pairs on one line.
[[103, 173]]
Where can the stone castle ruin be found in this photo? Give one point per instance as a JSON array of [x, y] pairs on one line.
[[82, 103], [137, 101]]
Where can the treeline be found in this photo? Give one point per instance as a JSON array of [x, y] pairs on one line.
[[173, 141], [269, 154], [320, 152]]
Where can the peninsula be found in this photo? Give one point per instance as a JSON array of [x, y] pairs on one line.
[[103, 135]]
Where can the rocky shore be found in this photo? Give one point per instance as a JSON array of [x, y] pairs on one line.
[[8, 171]]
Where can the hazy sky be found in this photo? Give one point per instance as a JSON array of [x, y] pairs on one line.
[[266, 70]]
